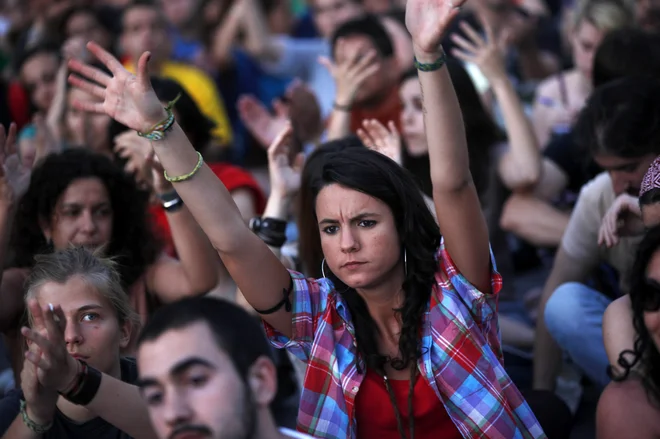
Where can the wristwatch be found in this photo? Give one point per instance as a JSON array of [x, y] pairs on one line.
[[172, 202]]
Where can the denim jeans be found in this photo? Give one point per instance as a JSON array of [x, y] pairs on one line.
[[574, 318]]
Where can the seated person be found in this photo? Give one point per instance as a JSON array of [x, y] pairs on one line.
[[75, 382]]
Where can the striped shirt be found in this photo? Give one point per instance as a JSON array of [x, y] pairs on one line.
[[461, 358]]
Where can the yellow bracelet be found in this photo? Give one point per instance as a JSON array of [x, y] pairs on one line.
[[188, 176]]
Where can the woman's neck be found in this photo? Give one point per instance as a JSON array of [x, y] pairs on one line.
[[383, 300]]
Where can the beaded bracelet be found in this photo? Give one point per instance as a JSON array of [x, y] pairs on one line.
[[431, 67], [188, 176], [157, 132], [29, 423]]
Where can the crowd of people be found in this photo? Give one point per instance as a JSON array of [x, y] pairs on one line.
[[269, 219]]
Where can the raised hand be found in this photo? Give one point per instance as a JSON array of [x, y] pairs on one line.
[[259, 121], [40, 401], [486, 53], [284, 175], [428, 20], [14, 177], [127, 98], [135, 150], [350, 71], [383, 140], [56, 368]]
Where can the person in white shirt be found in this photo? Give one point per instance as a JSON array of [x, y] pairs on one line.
[[206, 371]]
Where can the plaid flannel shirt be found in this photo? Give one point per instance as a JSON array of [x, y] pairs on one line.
[[461, 358]]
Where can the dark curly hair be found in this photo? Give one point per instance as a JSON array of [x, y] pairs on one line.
[[644, 297], [348, 163], [133, 243]]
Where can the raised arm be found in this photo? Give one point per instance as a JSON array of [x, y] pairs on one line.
[[520, 166], [461, 221], [130, 100]]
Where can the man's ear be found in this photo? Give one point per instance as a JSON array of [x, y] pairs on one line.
[[262, 380]]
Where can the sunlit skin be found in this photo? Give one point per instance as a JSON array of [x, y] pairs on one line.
[[192, 388], [82, 216]]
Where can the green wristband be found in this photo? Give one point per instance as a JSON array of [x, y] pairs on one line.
[[431, 67]]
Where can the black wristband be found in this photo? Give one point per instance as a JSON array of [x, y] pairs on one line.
[[273, 225], [85, 391], [171, 201]]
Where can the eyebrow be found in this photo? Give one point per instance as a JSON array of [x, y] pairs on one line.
[[178, 369], [355, 218], [89, 308]]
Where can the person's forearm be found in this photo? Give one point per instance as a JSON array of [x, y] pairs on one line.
[[121, 405], [534, 220], [444, 128], [207, 199], [196, 254], [523, 146], [225, 36], [258, 39], [339, 125]]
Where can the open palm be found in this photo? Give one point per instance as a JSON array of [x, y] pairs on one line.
[[127, 98], [428, 20]]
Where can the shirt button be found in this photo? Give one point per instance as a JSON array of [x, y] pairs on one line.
[[355, 389]]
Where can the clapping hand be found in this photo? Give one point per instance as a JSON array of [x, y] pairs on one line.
[[377, 137], [284, 176]]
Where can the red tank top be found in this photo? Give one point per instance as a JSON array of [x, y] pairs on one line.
[[375, 413]]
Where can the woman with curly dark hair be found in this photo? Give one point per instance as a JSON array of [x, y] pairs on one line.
[[81, 198], [630, 406]]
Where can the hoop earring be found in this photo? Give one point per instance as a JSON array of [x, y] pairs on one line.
[[405, 262], [322, 269]]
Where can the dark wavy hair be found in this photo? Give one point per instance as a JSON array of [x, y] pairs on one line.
[[644, 297], [348, 163], [133, 244], [621, 118]]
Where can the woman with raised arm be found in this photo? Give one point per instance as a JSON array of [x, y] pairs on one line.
[[401, 337]]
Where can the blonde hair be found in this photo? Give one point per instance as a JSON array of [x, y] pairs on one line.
[[604, 15], [97, 271]]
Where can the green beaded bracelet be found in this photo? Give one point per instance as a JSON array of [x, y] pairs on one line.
[[431, 67], [157, 132]]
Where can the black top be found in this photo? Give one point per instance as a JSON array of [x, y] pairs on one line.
[[63, 427]]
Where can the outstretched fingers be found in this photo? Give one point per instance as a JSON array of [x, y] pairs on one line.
[[106, 58], [89, 72], [87, 86], [10, 141]]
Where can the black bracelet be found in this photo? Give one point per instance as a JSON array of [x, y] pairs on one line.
[[88, 386], [272, 231], [285, 302]]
